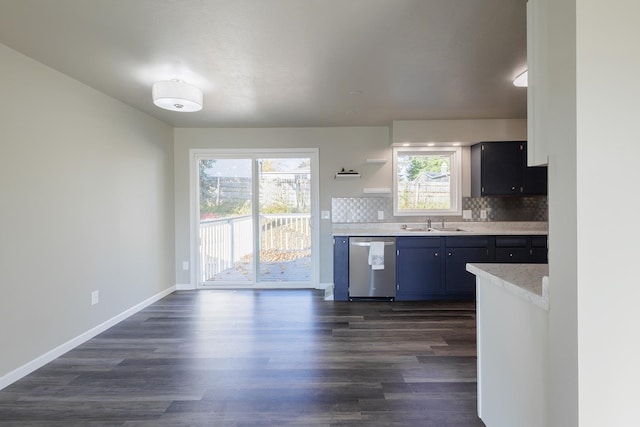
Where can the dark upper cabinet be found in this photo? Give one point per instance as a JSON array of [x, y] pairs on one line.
[[534, 178], [341, 268], [500, 169]]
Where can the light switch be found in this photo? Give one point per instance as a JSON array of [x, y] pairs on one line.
[[467, 214], [483, 214], [325, 214]]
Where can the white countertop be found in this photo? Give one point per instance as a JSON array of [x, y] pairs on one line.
[[466, 229], [528, 281]]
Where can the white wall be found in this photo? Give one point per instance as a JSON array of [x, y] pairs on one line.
[[594, 148], [464, 131], [87, 204], [608, 140], [557, 21]]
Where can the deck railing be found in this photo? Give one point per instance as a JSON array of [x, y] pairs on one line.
[[226, 242]]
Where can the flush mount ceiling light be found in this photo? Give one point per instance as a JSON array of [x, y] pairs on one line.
[[176, 95], [522, 80]]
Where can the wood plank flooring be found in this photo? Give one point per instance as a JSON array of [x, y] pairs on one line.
[[262, 358]]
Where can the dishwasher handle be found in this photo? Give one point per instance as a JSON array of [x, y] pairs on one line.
[[366, 244]]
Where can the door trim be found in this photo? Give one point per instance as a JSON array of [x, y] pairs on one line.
[[195, 154]]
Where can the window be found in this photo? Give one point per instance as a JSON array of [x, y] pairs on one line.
[[426, 181]]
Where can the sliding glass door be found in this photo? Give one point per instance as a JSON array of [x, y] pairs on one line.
[[225, 187], [284, 194], [254, 219]]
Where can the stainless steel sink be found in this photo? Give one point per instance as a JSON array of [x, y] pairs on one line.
[[431, 230], [423, 229]]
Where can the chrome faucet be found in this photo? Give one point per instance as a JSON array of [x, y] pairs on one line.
[[443, 222], [428, 222]]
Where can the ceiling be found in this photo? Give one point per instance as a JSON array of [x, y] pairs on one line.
[[267, 63]]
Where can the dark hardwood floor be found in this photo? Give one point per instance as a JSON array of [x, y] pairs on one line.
[[262, 358]]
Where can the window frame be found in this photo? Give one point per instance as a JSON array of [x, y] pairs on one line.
[[455, 180]]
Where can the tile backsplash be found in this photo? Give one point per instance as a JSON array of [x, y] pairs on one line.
[[360, 209], [366, 209], [531, 208]]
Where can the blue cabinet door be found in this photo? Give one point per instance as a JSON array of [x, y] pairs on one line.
[[341, 268], [534, 178], [539, 251], [459, 282], [420, 267]]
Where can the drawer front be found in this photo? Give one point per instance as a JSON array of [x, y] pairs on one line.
[[468, 242], [511, 241], [539, 241], [418, 242]]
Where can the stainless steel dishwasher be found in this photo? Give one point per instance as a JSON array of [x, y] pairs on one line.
[[365, 282]]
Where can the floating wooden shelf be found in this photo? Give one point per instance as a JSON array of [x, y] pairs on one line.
[[382, 190], [381, 161], [347, 175]]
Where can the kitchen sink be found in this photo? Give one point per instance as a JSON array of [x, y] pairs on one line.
[[431, 230]]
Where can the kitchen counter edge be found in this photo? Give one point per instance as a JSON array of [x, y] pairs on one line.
[[527, 281], [468, 229]]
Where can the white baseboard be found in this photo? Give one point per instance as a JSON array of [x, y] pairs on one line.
[[185, 287], [40, 361]]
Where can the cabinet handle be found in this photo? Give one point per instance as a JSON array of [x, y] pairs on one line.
[[510, 255], [513, 188], [449, 254], [436, 254]]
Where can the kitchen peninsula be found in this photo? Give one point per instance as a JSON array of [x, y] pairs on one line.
[[512, 303]]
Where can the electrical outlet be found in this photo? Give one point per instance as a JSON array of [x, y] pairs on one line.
[[325, 214], [467, 214], [483, 214], [380, 215], [185, 265], [95, 297]]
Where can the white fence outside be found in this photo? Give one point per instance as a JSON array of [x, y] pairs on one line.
[[226, 242], [416, 194]]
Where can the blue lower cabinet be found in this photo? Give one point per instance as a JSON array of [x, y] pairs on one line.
[[521, 249], [539, 249], [513, 255], [460, 284], [420, 268], [341, 268], [436, 267]]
